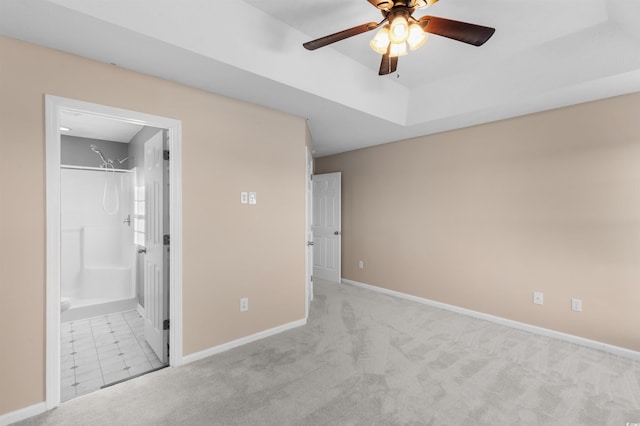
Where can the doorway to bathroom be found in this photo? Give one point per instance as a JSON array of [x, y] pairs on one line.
[[113, 246]]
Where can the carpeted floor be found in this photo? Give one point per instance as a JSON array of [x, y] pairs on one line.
[[371, 359]]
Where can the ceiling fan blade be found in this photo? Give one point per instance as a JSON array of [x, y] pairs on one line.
[[388, 65], [341, 35], [473, 34]]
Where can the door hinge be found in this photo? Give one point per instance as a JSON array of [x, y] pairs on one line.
[[165, 154], [166, 240], [311, 278], [311, 177], [165, 324]]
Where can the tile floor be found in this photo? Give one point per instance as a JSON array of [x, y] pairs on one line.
[[102, 350]]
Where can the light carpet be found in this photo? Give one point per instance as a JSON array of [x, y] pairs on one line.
[[370, 359]]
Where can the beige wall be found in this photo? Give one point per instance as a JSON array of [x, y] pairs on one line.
[[482, 217], [228, 147]]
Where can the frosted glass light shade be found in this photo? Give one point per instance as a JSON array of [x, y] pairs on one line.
[[380, 42], [417, 36], [398, 49], [399, 29]]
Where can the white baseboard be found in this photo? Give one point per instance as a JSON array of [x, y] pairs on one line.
[[242, 341], [140, 310], [616, 350], [23, 413]]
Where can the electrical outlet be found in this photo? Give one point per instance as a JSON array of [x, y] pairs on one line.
[[244, 304], [538, 297], [244, 197], [576, 305], [361, 264]]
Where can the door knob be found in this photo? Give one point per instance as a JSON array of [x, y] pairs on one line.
[[142, 250], [336, 233], [310, 243]]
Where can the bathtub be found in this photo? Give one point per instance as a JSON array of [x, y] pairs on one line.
[[93, 288]]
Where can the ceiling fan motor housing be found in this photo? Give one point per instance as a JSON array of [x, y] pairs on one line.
[[398, 11], [387, 5]]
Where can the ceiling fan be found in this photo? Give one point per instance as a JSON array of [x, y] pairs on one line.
[[400, 28]]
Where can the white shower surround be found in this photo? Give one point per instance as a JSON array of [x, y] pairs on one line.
[[97, 250]]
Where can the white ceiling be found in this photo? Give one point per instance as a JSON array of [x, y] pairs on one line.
[[95, 127], [545, 54]]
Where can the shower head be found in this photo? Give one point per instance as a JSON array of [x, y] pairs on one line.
[[97, 151]]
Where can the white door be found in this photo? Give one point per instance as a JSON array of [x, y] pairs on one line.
[[156, 283], [309, 232], [326, 226]]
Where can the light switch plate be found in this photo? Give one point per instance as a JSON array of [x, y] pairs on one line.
[[576, 304], [244, 197], [252, 198]]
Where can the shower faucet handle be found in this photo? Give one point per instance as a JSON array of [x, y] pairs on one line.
[[127, 220]]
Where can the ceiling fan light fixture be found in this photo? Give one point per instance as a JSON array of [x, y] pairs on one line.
[[380, 43], [417, 36], [399, 29], [397, 49]]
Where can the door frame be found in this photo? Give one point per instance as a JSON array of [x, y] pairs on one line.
[[54, 105], [308, 233]]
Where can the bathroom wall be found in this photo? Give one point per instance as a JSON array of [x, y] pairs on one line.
[[77, 151], [136, 145]]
